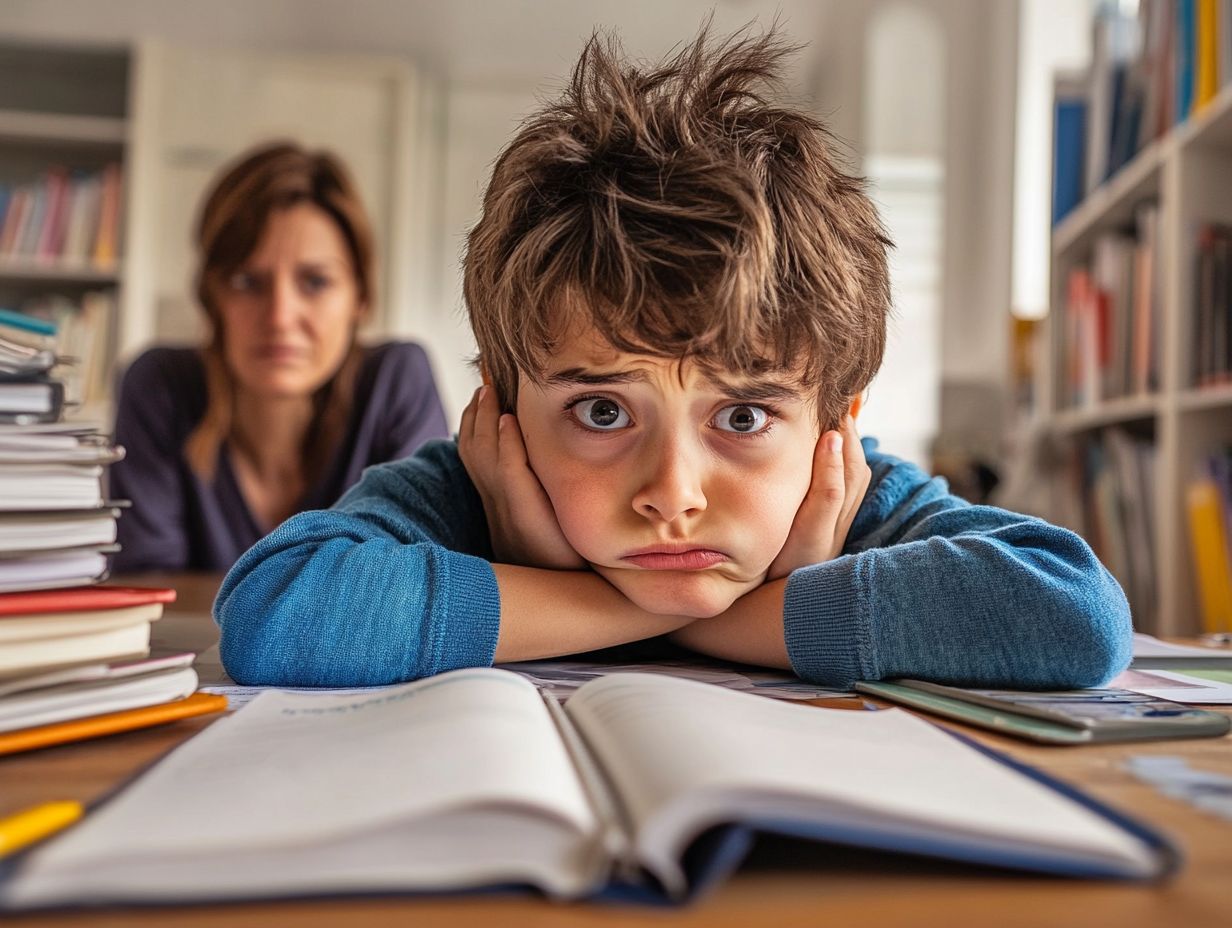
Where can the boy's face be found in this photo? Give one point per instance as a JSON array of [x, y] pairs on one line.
[[678, 488]]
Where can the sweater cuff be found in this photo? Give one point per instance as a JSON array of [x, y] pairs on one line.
[[466, 637], [825, 625]]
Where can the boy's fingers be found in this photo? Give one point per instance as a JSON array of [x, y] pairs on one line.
[[857, 472], [484, 432], [514, 464], [829, 482], [467, 426]]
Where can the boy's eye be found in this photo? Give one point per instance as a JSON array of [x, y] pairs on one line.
[[601, 414], [742, 419]]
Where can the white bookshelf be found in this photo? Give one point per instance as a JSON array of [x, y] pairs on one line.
[[1189, 174], [64, 106], [172, 116]]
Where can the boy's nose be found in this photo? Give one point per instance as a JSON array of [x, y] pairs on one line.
[[673, 487]]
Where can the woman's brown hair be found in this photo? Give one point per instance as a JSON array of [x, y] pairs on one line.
[[271, 178], [681, 212]]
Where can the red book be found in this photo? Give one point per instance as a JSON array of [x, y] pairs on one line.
[[82, 598]]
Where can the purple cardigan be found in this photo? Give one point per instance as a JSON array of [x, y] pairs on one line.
[[177, 521]]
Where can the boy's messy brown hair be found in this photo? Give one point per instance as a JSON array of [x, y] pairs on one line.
[[683, 214]]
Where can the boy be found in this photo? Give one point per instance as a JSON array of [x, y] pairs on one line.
[[679, 298]]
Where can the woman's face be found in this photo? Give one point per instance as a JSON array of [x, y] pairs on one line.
[[290, 311]]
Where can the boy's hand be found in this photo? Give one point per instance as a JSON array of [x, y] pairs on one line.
[[840, 480], [521, 519]]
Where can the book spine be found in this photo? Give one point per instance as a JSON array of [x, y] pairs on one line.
[[1206, 67], [1225, 43], [1186, 40], [1069, 131], [1209, 549], [106, 240]]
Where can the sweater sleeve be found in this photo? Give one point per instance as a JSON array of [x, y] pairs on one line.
[[153, 534], [932, 587], [391, 584]]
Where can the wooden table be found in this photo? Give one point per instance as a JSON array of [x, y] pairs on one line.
[[835, 888]]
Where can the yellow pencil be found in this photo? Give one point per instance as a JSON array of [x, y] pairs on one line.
[[25, 828]]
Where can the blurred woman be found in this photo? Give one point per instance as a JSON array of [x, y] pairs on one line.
[[282, 409]]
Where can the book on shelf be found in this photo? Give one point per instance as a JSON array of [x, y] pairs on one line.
[[1150, 70], [1224, 42], [1110, 486], [641, 787], [81, 343], [1111, 317], [66, 218], [1208, 508], [1212, 329], [1069, 127]]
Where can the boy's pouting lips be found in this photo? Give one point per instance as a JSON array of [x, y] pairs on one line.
[[678, 489]]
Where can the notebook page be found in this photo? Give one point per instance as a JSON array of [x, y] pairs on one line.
[[665, 742], [292, 769]]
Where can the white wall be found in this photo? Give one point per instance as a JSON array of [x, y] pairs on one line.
[[978, 114], [482, 62], [1053, 35]]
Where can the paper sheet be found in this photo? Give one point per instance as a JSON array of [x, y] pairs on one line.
[[561, 678], [1188, 688]]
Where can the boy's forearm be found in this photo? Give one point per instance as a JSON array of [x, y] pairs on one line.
[[750, 631], [549, 613]]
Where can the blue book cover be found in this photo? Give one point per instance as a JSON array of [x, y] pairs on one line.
[[1069, 131], [1186, 41], [26, 323]]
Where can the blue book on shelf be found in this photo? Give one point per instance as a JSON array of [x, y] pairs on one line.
[[26, 323], [1068, 153], [1186, 56]]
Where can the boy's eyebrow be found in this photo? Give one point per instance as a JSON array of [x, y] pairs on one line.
[[749, 390], [757, 389], [580, 376]]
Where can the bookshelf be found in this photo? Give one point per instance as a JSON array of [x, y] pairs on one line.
[[1176, 423], [64, 122], [171, 116]]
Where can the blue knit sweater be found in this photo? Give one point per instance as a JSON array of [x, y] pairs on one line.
[[395, 583]]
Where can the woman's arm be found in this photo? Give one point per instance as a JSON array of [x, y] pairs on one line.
[[406, 390], [153, 533]]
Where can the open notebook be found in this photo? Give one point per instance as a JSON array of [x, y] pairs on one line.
[[641, 785]]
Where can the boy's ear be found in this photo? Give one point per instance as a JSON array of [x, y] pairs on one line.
[[857, 404]]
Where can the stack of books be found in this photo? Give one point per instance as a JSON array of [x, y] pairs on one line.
[[72, 654], [73, 666], [56, 527], [27, 355]]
